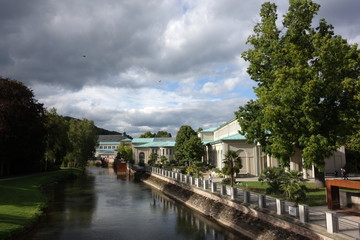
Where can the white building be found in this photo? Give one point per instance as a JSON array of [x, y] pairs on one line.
[[226, 137]]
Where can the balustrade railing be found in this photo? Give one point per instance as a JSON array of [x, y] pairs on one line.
[[329, 220]]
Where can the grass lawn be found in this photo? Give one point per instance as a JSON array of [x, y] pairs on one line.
[[22, 200], [315, 196]]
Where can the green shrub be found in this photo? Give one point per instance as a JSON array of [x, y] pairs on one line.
[[274, 177], [226, 181]]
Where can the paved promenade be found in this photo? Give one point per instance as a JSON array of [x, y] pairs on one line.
[[349, 219]]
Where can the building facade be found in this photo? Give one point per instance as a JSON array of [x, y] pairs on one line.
[[107, 146], [219, 140], [143, 147]]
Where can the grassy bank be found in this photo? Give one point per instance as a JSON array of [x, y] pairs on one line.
[[314, 196], [22, 200]]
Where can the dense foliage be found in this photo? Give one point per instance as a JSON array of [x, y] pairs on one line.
[[22, 131], [159, 134], [307, 86], [125, 152], [188, 146], [290, 183], [33, 139], [83, 140]]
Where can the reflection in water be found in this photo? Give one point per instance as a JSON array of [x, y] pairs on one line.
[[190, 224], [100, 205]]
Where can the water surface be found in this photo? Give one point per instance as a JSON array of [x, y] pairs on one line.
[[100, 205]]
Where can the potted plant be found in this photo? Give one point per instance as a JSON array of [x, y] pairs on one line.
[[294, 189]]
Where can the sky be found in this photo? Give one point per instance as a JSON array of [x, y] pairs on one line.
[[142, 65]]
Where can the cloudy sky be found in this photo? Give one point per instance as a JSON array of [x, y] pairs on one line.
[[141, 65]]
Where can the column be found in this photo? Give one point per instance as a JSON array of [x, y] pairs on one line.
[[213, 187], [332, 223], [262, 201], [303, 213], [280, 206], [246, 196]]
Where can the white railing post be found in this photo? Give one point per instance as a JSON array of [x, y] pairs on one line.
[[246, 196], [303, 213], [205, 184], [222, 189], [262, 201], [233, 193], [213, 187], [332, 222], [280, 206]]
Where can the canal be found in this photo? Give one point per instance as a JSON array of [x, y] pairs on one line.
[[100, 205]]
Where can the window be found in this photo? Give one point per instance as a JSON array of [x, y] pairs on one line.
[[101, 147], [163, 152]]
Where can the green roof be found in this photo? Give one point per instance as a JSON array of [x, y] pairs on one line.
[[210, 129], [234, 137], [157, 144], [142, 140]]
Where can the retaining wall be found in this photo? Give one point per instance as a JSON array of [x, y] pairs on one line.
[[251, 221]]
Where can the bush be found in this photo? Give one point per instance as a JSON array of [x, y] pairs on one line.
[[274, 177], [226, 181], [294, 186]]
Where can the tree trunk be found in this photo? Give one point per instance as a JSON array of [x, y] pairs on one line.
[[319, 178]]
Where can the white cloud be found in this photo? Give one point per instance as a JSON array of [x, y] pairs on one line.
[[141, 65]]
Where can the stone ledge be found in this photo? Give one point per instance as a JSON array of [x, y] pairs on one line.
[[245, 218]]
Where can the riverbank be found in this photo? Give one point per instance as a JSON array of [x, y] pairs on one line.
[[250, 220], [22, 201]]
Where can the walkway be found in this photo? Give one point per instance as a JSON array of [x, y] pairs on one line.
[[349, 219]]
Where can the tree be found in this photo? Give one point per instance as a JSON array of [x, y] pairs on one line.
[[125, 152], [147, 135], [57, 139], [188, 146], [308, 86], [22, 129], [163, 134], [153, 135], [83, 139], [153, 157], [232, 165]]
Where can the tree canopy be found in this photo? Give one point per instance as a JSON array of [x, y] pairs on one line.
[[22, 131], [83, 139], [154, 135], [308, 85], [57, 139], [188, 146]]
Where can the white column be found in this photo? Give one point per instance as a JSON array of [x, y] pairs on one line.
[[332, 224]]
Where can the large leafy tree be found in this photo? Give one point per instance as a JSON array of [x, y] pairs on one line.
[[308, 85], [57, 140], [83, 139], [188, 146], [22, 129]]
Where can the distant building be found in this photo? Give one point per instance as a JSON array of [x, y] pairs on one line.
[[107, 146], [143, 147]]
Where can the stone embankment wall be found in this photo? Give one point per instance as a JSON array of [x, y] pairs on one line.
[[246, 219]]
